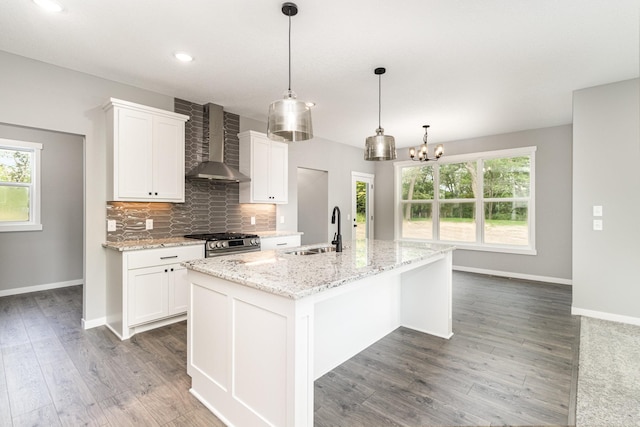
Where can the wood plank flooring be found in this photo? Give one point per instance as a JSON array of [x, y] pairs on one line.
[[510, 362]]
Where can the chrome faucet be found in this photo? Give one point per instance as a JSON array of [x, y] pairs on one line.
[[337, 237]]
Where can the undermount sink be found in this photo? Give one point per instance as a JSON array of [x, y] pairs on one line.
[[313, 251], [324, 249], [302, 252]]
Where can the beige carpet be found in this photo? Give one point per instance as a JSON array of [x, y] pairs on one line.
[[609, 374]]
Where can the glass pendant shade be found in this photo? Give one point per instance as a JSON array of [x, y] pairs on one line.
[[380, 146], [289, 119]]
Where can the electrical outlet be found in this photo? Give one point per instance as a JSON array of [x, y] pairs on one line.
[[149, 224], [597, 210], [597, 224], [253, 220], [111, 225], [281, 219]]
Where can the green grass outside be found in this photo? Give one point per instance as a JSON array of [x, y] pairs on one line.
[[495, 222]]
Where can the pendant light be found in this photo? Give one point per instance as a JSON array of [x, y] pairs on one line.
[[422, 153], [380, 146], [289, 119]]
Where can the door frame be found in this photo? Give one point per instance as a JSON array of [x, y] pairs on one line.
[[369, 179]]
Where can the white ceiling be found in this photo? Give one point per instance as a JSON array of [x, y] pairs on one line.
[[466, 67]]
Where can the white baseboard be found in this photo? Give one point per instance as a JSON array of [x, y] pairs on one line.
[[94, 323], [37, 288], [605, 316], [512, 275]]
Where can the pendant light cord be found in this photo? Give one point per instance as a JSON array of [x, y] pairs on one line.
[[379, 99], [289, 14]]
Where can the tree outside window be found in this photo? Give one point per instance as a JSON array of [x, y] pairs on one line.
[[484, 200]]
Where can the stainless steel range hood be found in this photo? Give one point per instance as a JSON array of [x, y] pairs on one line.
[[215, 169]]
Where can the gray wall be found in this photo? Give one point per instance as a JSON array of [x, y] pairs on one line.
[[606, 159], [553, 203], [313, 196], [44, 96], [52, 256]]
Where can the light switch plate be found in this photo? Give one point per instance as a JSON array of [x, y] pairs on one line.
[[111, 225], [597, 210], [597, 224], [281, 219], [149, 224], [253, 220]]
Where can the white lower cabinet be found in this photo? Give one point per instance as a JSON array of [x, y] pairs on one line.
[[147, 288], [280, 242]]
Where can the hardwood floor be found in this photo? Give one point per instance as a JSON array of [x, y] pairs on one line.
[[510, 362]]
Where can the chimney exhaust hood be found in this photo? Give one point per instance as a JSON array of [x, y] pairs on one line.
[[215, 169]]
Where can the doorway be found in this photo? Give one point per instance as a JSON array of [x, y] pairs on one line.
[[362, 205], [313, 205]]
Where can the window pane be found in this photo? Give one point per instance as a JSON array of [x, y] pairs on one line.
[[457, 222], [15, 165], [417, 220], [507, 177], [506, 223], [14, 204], [417, 183], [458, 180]]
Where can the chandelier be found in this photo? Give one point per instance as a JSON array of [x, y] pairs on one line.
[[421, 154]]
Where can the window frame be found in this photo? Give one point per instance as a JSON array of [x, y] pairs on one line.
[[478, 158], [34, 222]]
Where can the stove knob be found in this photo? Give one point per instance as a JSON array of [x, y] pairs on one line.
[[218, 244], [254, 242]]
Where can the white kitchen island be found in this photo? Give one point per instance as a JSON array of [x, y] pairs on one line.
[[262, 326]]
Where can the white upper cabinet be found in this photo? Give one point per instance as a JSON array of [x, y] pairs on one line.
[[145, 153], [267, 163]]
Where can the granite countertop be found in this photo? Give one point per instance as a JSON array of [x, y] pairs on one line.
[[297, 276], [277, 233], [136, 245]]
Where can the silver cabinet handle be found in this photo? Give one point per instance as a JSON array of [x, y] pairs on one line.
[[169, 257], [281, 244]]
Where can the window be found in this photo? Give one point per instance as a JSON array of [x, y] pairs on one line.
[[478, 201], [19, 185]]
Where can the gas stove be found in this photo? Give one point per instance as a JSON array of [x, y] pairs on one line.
[[217, 244]]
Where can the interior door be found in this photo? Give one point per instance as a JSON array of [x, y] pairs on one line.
[[362, 205]]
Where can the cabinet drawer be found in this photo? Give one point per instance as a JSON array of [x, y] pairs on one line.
[[267, 243], [161, 256]]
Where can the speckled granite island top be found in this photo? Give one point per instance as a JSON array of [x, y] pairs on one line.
[[296, 276], [136, 245]]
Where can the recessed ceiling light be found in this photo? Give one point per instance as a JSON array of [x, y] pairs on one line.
[[49, 5], [184, 57]]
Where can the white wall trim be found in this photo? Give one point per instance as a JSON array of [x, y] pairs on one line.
[[605, 316], [94, 323], [37, 288], [512, 275]]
